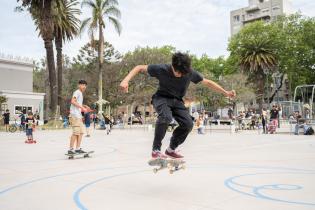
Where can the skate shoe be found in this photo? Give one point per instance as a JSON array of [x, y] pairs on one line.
[[79, 151], [173, 154], [71, 152], [157, 154]]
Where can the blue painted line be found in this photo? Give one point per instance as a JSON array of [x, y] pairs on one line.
[[61, 159], [54, 176], [76, 195], [228, 183], [256, 190]]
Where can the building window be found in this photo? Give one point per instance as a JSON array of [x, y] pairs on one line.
[[3, 107], [276, 8], [22, 109], [261, 1], [236, 18]]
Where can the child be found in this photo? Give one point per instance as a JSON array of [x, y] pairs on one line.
[[6, 119], [108, 124], [87, 122], [200, 125], [29, 126]]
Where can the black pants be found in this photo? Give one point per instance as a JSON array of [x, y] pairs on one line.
[[264, 125], [167, 108]]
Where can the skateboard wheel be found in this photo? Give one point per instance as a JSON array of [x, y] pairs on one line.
[[85, 156], [183, 167], [155, 170], [25, 142], [171, 171]]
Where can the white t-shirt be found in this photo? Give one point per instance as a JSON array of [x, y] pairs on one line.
[[75, 111]]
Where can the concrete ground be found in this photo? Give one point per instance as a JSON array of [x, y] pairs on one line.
[[224, 172]]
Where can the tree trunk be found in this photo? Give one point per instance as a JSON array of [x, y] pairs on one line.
[[58, 43], [260, 90], [52, 75], [277, 89], [47, 96], [100, 65], [46, 27]]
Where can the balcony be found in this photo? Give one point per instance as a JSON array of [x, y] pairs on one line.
[[257, 16], [252, 8]]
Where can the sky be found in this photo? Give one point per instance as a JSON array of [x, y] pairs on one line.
[[198, 26]]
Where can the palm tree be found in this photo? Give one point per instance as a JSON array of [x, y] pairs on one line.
[[257, 59], [103, 12], [42, 14], [66, 26]]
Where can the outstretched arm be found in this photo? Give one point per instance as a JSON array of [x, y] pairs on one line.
[[216, 87], [136, 70]]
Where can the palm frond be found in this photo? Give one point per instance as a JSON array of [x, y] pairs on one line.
[[88, 3], [112, 11], [116, 24]]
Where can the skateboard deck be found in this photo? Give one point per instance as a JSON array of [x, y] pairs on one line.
[[30, 141], [84, 155], [172, 164]]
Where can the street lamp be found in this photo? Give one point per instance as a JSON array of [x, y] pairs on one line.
[[266, 72], [277, 80]]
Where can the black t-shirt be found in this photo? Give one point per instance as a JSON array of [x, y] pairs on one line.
[[6, 117], [169, 85], [274, 114], [30, 122]]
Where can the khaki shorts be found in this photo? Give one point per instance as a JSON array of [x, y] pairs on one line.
[[77, 125]]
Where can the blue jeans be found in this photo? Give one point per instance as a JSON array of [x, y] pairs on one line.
[[29, 132], [297, 127]]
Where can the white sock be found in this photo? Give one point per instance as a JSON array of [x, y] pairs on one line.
[[169, 149]]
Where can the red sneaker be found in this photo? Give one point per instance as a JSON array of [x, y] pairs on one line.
[[158, 154], [173, 154]]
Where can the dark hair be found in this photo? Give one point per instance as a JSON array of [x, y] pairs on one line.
[[181, 62], [82, 82], [30, 113]]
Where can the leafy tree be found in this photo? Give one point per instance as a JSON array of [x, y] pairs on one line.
[[66, 26], [42, 14], [103, 12], [255, 50]]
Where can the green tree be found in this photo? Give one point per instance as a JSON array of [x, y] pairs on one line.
[[255, 50], [84, 65], [66, 26], [42, 14], [296, 52], [3, 100], [103, 12]]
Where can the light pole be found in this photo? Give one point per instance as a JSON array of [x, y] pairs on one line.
[[277, 78], [266, 72]]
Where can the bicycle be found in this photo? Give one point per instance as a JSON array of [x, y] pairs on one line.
[[13, 127]]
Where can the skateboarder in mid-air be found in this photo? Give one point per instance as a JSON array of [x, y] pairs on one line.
[[174, 80]]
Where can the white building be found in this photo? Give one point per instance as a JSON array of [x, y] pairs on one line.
[[16, 84], [266, 10]]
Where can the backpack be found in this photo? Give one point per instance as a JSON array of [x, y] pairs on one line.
[[309, 131]]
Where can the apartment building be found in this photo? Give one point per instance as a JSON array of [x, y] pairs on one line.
[[266, 10]]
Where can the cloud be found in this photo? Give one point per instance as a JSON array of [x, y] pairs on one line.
[[199, 26]]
